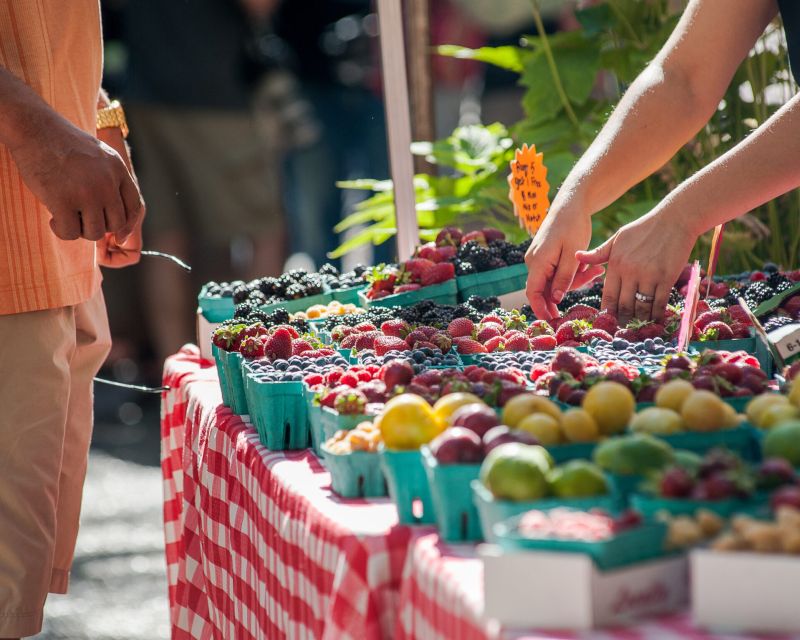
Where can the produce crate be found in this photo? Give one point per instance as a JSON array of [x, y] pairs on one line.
[[314, 413], [492, 511], [223, 378], [346, 296], [301, 304], [737, 344], [623, 486], [738, 439], [232, 363], [571, 451], [215, 309], [496, 282], [355, 475], [453, 506], [407, 482], [443, 293], [333, 421], [639, 544], [650, 505], [278, 411]]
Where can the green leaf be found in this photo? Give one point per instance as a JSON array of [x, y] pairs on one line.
[[360, 217], [595, 19], [506, 57], [365, 184]]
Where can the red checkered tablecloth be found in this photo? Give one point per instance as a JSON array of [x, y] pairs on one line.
[[256, 544]]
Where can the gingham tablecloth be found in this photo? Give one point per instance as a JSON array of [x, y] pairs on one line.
[[256, 544]]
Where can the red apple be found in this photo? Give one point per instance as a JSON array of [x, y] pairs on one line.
[[457, 445], [476, 417], [503, 434]]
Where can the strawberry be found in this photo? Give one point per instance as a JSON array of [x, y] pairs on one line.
[[438, 273], [446, 253], [443, 341], [468, 346], [328, 398], [461, 327], [794, 276], [717, 331], [494, 318], [740, 329], [493, 235], [340, 331], [539, 328], [569, 361], [410, 286], [537, 371], [397, 328], [298, 346], [279, 345], [292, 331], [252, 347], [396, 373], [631, 335], [738, 314], [365, 326], [415, 267], [595, 334], [366, 340], [757, 276], [449, 237], [495, 344], [255, 330], [414, 337], [516, 320], [428, 331], [791, 306], [571, 330], [428, 378], [580, 312], [475, 236], [544, 342], [488, 332], [707, 318], [702, 307], [313, 379], [512, 333], [719, 290], [385, 344], [349, 341], [605, 321], [650, 330], [428, 252], [351, 403], [519, 342]]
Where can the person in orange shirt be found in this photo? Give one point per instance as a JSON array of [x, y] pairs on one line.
[[68, 201]]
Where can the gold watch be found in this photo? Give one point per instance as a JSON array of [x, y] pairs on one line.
[[113, 116]]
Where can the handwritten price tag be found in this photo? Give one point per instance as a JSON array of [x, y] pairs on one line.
[[529, 187], [690, 309], [786, 341], [713, 258]]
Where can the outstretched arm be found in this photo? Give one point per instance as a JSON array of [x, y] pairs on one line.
[[664, 107]]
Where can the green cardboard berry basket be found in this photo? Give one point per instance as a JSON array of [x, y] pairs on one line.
[[571, 451], [215, 309], [355, 475], [333, 421], [737, 439], [314, 413], [492, 511], [223, 378], [623, 486], [407, 482], [736, 344], [278, 410], [443, 293], [649, 506], [638, 544], [346, 296], [232, 364], [492, 283], [453, 506], [300, 304]]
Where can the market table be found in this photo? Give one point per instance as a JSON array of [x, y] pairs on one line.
[[257, 546]]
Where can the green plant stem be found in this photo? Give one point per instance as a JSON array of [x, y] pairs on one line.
[[551, 62], [625, 23]]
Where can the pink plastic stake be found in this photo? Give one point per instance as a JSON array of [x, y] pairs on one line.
[[713, 258], [690, 308]]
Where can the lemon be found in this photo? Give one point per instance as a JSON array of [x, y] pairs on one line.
[[758, 404], [673, 393], [704, 411], [732, 419], [776, 414], [408, 422], [525, 404], [543, 426], [611, 405], [447, 405], [579, 426], [657, 421]]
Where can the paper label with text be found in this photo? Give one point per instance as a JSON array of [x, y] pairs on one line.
[[529, 187]]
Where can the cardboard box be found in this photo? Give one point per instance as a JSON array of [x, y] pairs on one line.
[[204, 330], [545, 590], [739, 591]]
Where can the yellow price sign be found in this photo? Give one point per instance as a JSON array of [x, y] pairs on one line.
[[529, 187]]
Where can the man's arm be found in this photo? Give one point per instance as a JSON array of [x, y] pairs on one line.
[[82, 181], [663, 108]]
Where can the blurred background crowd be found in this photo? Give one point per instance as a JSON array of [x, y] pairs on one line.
[[244, 114]]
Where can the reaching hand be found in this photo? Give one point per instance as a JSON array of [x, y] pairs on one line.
[[644, 257], [82, 181]]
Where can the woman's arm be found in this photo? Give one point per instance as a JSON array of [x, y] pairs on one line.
[[664, 107], [648, 255]]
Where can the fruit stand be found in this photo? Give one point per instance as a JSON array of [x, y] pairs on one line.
[[397, 466]]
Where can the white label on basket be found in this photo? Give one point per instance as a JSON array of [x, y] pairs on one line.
[[786, 340]]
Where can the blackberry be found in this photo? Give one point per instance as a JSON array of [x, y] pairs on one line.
[[515, 256], [675, 297], [295, 291], [240, 293], [359, 269], [592, 301], [496, 262], [717, 304], [732, 297], [525, 245], [757, 292], [245, 310], [256, 298], [526, 311], [464, 268], [784, 286], [267, 286], [328, 269], [483, 305], [776, 322]]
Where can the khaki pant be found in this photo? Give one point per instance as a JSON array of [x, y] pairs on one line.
[[47, 362]]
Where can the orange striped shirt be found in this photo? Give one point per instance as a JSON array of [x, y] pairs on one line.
[[55, 47]]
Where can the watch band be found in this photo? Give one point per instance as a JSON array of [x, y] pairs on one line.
[[113, 116]]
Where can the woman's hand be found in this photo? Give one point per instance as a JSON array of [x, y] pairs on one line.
[[552, 266], [645, 256]]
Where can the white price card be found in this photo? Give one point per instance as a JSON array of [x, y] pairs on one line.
[[786, 340]]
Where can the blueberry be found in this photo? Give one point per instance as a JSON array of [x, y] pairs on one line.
[[619, 344]]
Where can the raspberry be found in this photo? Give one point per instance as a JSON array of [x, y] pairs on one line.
[[333, 376], [350, 379], [313, 379], [351, 403], [461, 327]]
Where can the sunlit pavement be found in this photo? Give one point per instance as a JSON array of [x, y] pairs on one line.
[[118, 589]]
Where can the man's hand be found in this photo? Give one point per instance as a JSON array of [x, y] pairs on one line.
[[82, 181], [110, 252]]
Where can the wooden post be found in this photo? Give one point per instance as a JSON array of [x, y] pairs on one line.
[[418, 33], [398, 124]]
